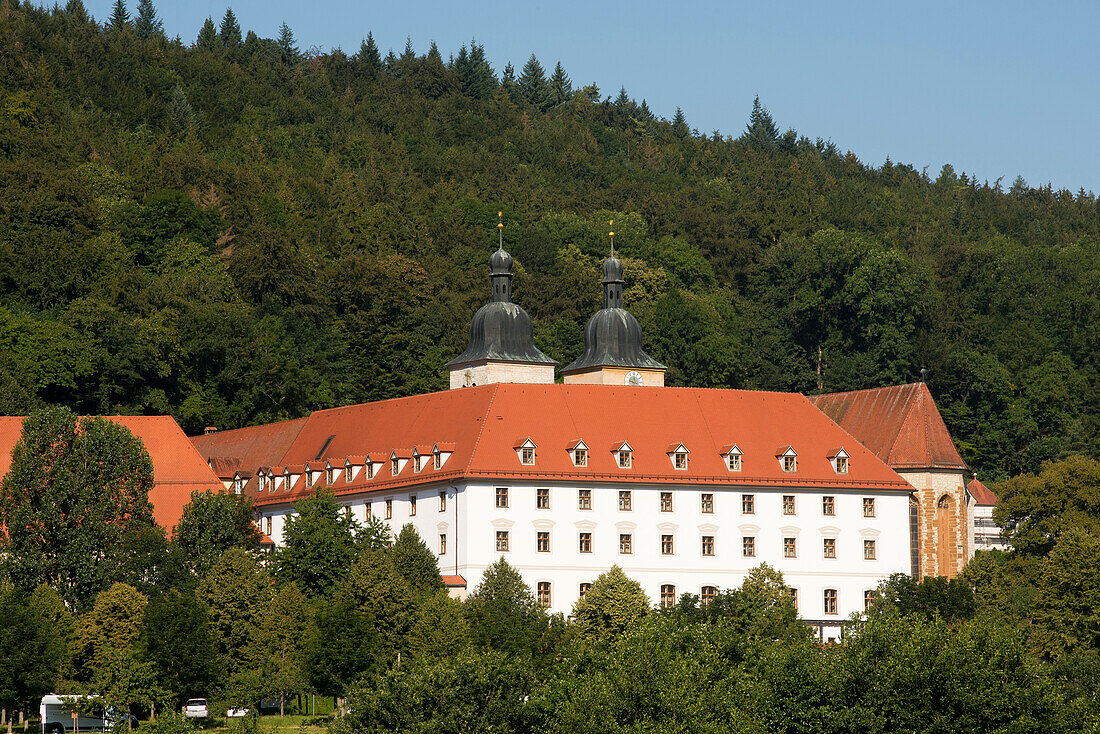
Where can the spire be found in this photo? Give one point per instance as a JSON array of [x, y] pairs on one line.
[[500, 267], [612, 277]]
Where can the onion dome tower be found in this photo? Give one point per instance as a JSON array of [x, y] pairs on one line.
[[613, 353], [502, 344]]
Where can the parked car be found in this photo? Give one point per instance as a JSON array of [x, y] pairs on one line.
[[56, 713], [196, 708]]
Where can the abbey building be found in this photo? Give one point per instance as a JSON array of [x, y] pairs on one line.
[[686, 489]]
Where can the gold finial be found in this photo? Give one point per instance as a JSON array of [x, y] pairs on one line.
[[500, 229], [610, 222]]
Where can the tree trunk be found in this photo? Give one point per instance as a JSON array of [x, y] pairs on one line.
[[282, 712]]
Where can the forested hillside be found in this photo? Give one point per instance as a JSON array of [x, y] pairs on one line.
[[233, 231]]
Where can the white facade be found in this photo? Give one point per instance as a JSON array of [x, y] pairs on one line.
[[868, 545], [987, 534]]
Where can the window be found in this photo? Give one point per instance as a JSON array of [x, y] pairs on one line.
[[412, 505], [502, 496], [828, 505], [542, 498], [542, 541], [442, 544], [869, 550], [437, 460], [624, 499], [395, 466], [790, 548], [748, 546], [624, 459], [369, 469], [502, 540], [788, 504], [841, 464], [706, 500], [868, 506], [347, 511], [868, 597], [790, 463], [527, 455], [585, 588], [584, 543], [369, 514], [347, 472], [442, 500], [668, 596], [418, 462], [733, 461], [238, 485], [708, 594], [666, 545], [544, 594], [680, 460], [708, 545], [748, 504], [330, 475], [309, 477], [830, 601], [389, 508], [580, 457], [267, 525], [830, 547], [584, 499], [626, 545], [794, 597], [666, 501]]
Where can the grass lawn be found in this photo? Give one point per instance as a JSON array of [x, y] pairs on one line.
[[275, 724]]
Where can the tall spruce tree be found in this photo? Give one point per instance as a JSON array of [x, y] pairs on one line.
[[229, 32], [286, 44], [761, 132], [679, 124], [369, 57], [415, 562], [208, 36], [147, 25], [533, 85], [561, 88], [120, 17]]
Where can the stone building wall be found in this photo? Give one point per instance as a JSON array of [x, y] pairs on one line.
[[944, 524]]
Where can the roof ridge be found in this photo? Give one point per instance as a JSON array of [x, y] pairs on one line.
[[484, 422]]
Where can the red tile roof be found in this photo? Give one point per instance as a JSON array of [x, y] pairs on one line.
[[453, 581], [252, 447], [178, 469], [483, 423], [901, 424], [982, 494]]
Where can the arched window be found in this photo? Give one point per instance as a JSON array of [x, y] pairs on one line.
[[945, 537]]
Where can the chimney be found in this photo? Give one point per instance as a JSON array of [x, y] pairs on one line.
[[209, 429]]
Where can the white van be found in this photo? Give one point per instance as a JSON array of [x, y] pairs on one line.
[[56, 713]]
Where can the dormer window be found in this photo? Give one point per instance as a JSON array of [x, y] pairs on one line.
[[330, 475], [395, 466], [238, 484], [624, 455], [578, 451], [788, 458], [418, 462], [368, 468], [527, 456], [839, 459], [732, 456], [437, 460], [286, 480], [679, 455], [347, 471], [309, 477]]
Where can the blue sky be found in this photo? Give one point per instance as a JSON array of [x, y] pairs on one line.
[[994, 88]]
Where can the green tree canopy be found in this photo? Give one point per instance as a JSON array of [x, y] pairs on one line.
[[1035, 509], [503, 613], [415, 562], [212, 523], [614, 604], [319, 545]]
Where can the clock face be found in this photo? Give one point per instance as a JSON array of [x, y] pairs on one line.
[[634, 378]]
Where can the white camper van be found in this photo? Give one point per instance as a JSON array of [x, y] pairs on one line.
[[56, 713]]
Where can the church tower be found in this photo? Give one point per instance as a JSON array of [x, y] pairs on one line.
[[502, 343], [613, 353]]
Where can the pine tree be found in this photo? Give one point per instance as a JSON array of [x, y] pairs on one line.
[[761, 132], [148, 25], [482, 78], [622, 102], [120, 17], [208, 36], [561, 88], [509, 84], [679, 124], [368, 56], [229, 33], [644, 112], [433, 52], [181, 117], [409, 54], [415, 562], [533, 84], [286, 44], [75, 9]]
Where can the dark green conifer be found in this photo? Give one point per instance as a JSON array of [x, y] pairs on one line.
[[120, 17], [561, 88], [761, 132], [286, 43], [533, 84], [433, 52], [181, 118], [622, 102], [415, 562], [368, 56], [679, 124], [208, 36], [148, 25], [229, 33]]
